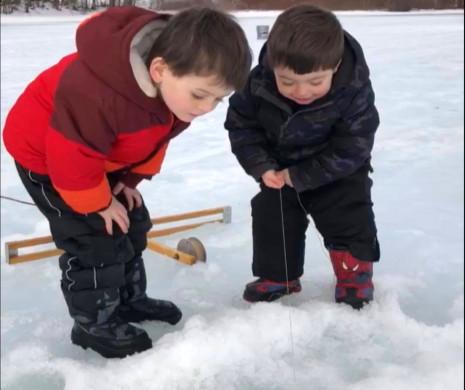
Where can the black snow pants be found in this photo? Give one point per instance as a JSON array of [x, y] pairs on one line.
[[99, 271], [342, 212]]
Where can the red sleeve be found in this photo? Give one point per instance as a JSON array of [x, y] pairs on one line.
[[77, 142]]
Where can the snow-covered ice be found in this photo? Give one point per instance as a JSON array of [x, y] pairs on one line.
[[411, 337]]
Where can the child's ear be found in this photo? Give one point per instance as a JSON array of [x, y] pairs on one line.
[[157, 69]]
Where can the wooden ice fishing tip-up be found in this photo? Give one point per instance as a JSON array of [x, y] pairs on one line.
[[188, 251]]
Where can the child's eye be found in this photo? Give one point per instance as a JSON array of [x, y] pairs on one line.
[[316, 84], [287, 84], [197, 97]]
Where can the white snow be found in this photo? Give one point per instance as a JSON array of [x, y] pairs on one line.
[[411, 337]]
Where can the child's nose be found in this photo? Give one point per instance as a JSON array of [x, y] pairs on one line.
[[301, 91]]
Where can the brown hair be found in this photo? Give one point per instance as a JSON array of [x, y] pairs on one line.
[[205, 42], [305, 39]]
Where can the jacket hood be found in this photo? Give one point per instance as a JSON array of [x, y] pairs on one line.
[[114, 45], [353, 70]]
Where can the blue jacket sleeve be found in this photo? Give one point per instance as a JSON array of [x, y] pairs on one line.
[[248, 140]]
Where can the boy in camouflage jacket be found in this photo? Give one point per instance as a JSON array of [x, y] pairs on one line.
[[304, 128]]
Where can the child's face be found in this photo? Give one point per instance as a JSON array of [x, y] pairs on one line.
[[303, 88], [187, 96]]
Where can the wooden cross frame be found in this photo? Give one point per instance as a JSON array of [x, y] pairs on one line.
[[12, 247]]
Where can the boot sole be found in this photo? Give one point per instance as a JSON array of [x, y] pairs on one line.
[[252, 298], [84, 340], [355, 304], [352, 300]]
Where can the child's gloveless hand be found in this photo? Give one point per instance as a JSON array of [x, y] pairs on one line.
[[115, 212], [133, 196], [286, 177], [273, 179]]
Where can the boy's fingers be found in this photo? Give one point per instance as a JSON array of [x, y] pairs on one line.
[[130, 201], [125, 217], [118, 187], [121, 223], [138, 200], [109, 225], [273, 184], [119, 207]]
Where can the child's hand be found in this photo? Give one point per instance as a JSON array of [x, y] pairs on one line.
[[287, 178], [132, 195], [115, 212], [273, 179]]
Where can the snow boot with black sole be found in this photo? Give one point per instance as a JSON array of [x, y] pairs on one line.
[[264, 290], [114, 340], [354, 285]]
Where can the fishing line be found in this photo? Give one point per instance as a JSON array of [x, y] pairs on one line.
[[287, 281], [320, 238], [17, 200]]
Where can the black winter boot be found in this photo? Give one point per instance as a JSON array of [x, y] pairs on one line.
[[112, 340], [93, 305], [136, 306], [148, 309], [97, 325], [264, 290]]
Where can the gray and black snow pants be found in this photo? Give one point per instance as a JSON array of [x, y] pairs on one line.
[[342, 212], [99, 271]]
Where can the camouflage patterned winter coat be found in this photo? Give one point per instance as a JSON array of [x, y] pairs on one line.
[[322, 142]]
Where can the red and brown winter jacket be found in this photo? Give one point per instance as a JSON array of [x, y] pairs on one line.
[[95, 111]]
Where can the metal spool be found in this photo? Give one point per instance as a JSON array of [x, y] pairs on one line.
[[194, 247]]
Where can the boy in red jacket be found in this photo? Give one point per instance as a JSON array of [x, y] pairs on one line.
[[87, 130]]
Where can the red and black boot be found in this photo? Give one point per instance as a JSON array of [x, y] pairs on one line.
[[264, 290], [354, 279]]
